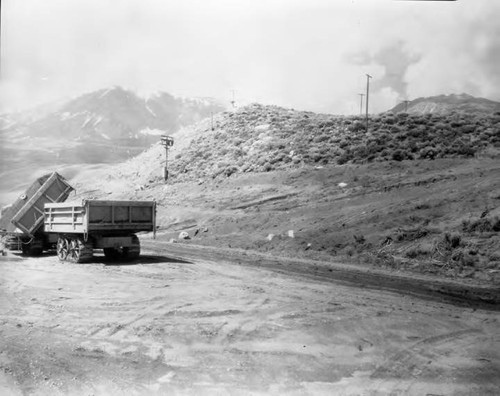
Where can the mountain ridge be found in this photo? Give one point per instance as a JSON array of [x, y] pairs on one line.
[[104, 126], [442, 104]]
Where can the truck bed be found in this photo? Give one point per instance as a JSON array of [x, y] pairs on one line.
[[25, 215], [100, 217]]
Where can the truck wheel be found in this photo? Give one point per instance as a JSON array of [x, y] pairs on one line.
[[62, 249], [78, 251]]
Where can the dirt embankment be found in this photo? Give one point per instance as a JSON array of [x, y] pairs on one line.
[[434, 217]]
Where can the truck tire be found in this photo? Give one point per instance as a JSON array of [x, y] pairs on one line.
[[62, 248], [79, 251]]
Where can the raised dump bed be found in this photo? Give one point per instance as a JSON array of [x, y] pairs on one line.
[[98, 224], [22, 223]]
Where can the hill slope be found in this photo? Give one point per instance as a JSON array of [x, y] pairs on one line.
[[302, 184]]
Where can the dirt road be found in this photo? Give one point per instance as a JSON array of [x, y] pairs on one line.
[[165, 325]]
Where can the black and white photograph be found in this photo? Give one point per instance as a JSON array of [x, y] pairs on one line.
[[249, 197]]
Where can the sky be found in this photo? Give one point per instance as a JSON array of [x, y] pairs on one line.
[[302, 54]]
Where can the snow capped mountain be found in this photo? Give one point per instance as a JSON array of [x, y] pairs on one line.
[[114, 112], [106, 126]]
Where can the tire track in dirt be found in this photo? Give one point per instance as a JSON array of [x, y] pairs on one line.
[[398, 365], [418, 286]]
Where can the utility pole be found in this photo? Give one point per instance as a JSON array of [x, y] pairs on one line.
[[406, 105], [361, 104], [212, 119], [167, 142], [233, 102], [367, 96], [1, 41]]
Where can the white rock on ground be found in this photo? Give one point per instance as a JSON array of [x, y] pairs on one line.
[[184, 235]]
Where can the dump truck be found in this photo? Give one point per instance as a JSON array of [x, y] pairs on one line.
[[99, 224], [21, 224]]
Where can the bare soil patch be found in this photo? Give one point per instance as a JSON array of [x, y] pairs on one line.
[[167, 325]]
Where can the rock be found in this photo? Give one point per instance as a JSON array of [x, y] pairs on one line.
[[172, 240], [205, 229], [308, 246], [270, 237], [342, 184], [291, 234], [184, 235]]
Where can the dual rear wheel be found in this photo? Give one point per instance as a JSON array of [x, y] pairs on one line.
[[74, 249]]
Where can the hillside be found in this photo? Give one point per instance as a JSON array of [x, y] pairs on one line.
[[444, 104], [267, 138], [418, 192], [106, 126]]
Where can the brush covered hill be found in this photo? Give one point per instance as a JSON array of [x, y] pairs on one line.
[[418, 192], [265, 138], [443, 104]]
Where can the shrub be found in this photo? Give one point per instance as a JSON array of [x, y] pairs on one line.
[[357, 126], [411, 234], [345, 157], [451, 241], [320, 138], [398, 155], [267, 167], [468, 128], [230, 170], [481, 225], [428, 153], [389, 119], [417, 251]]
